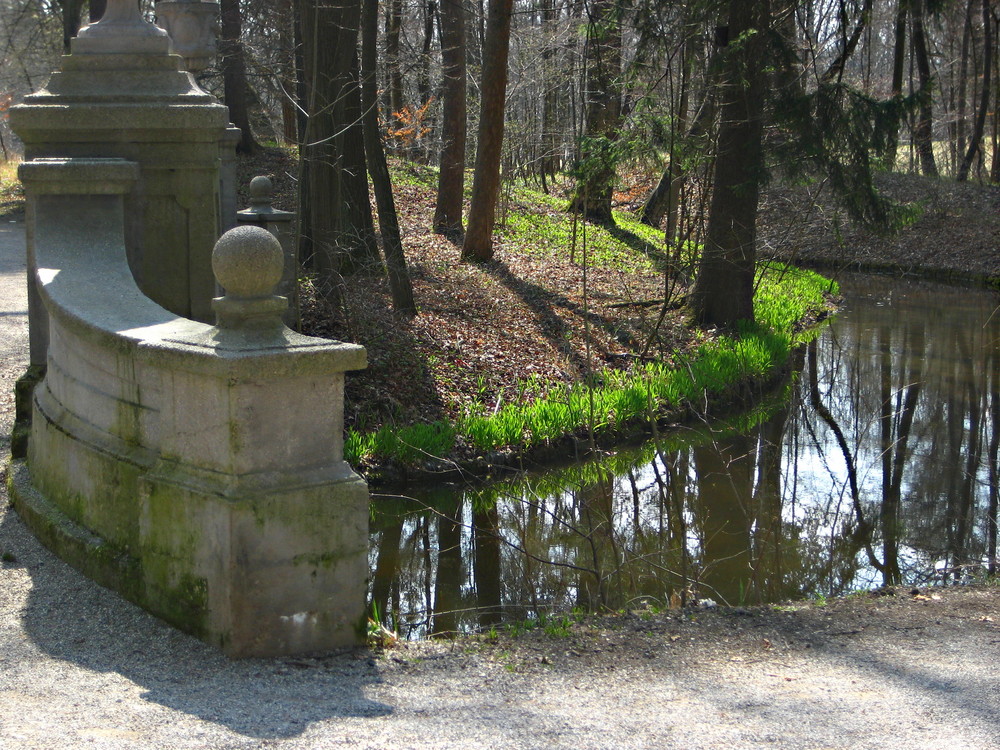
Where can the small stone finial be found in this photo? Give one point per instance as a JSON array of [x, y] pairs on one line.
[[261, 194], [248, 263]]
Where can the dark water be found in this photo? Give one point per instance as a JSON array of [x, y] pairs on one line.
[[879, 465]]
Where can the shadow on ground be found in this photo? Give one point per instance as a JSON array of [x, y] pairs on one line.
[[74, 620]]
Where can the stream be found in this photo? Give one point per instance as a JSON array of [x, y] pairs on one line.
[[878, 466]]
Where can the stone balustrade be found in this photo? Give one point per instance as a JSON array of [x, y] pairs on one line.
[[197, 469]]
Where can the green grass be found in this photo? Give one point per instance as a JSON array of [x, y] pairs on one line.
[[785, 296], [11, 194], [630, 246], [408, 445]]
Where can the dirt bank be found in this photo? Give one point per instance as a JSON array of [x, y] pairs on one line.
[[955, 231]]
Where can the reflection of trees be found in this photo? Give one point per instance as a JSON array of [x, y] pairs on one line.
[[993, 373], [448, 581], [861, 535], [385, 584], [487, 580], [919, 372], [724, 516], [897, 407]]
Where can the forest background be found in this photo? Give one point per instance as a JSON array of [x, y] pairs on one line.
[[617, 148]]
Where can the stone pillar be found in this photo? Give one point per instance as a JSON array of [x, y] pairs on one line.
[[282, 225], [122, 93], [250, 512]]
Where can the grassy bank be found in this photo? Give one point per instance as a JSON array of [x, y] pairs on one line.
[[558, 340], [616, 401]]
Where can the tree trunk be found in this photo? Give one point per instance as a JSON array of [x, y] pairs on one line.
[[723, 292], [451, 178], [975, 141], [923, 133], [963, 75], [835, 71], [995, 161], [664, 199], [547, 165], [286, 38], [424, 76], [71, 11], [394, 25], [339, 235], [361, 242], [592, 197], [898, 66], [478, 245], [419, 147], [395, 261], [234, 72]]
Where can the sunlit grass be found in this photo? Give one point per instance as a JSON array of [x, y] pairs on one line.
[[11, 194], [628, 246], [408, 445]]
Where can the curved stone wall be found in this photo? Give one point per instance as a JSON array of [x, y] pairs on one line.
[[197, 469]]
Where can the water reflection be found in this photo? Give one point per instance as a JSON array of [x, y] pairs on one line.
[[879, 467]]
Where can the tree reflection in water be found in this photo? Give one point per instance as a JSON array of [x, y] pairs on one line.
[[878, 467]]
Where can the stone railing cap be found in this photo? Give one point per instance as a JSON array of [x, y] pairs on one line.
[[94, 176]]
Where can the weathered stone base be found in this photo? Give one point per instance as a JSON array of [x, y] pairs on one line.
[[196, 469], [85, 551], [271, 576]]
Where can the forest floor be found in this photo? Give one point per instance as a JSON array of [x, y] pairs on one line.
[[887, 669], [955, 233]]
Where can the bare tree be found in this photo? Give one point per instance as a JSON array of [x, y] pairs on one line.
[[451, 179], [234, 72], [395, 261], [478, 245], [592, 197]]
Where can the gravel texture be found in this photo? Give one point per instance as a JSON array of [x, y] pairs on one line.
[[79, 667]]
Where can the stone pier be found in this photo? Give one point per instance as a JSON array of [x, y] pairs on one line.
[[196, 469]]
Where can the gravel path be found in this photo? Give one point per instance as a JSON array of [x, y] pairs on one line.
[[13, 322], [79, 667]]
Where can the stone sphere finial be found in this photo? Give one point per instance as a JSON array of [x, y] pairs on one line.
[[248, 263], [261, 192]]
